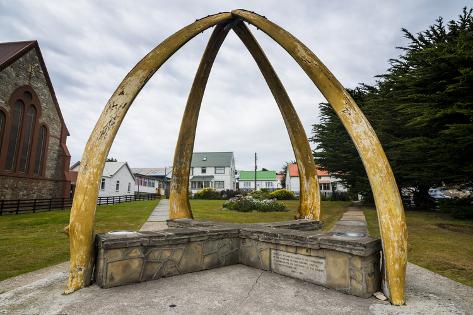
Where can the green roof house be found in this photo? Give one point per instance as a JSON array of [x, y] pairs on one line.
[[264, 179], [212, 169]]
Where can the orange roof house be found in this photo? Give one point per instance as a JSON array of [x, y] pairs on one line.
[[328, 183]]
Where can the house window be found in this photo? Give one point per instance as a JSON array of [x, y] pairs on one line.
[[220, 170], [129, 187], [325, 186], [200, 185], [247, 184], [102, 184], [203, 170], [197, 185], [269, 184], [40, 151], [14, 135], [117, 185], [192, 171], [219, 184]]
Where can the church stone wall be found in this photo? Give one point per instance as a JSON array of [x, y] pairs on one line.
[[27, 70]]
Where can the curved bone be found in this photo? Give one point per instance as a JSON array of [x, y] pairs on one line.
[[386, 194], [309, 204], [82, 218], [179, 206], [309, 207]]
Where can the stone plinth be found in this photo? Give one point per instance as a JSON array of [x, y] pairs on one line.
[[295, 249], [129, 257]]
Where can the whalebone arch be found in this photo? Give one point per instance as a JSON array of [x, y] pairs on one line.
[[309, 207], [386, 194]]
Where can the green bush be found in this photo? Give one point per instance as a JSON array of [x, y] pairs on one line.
[[282, 194], [336, 196], [207, 193], [248, 204], [459, 208], [260, 194], [340, 196], [229, 193]]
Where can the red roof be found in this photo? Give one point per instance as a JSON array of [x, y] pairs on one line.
[[9, 52], [294, 171]]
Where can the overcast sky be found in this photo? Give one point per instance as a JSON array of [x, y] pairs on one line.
[[89, 47]]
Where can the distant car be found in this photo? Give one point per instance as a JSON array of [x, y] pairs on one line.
[[438, 193]]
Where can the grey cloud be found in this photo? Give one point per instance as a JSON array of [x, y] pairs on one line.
[[89, 46]]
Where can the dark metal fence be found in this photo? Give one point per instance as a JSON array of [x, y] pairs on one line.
[[17, 206]]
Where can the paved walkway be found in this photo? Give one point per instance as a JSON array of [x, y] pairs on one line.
[[352, 221], [157, 219]]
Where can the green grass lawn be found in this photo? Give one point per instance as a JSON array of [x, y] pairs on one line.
[[436, 242], [211, 210], [32, 241]]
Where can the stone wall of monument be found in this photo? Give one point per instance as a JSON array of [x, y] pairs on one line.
[[349, 265]]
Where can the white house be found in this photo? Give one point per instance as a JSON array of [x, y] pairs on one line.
[[212, 169], [264, 179], [117, 179], [152, 180], [145, 184], [328, 183]]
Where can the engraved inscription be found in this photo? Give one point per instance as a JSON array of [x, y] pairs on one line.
[[298, 266]]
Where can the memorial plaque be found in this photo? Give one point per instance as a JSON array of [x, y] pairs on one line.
[[298, 266]]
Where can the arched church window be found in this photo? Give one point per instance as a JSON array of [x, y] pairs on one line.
[[27, 137], [3, 120], [14, 139], [40, 154], [24, 139]]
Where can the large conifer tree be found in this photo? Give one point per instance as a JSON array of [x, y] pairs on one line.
[[421, 109]]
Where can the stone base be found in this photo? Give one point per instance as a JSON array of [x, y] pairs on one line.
[[295, 249]]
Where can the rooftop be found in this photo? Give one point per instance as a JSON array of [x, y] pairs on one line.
[[9, 52], [294, 171], [111, 168], [260, 175], [153, 171], [204, 159]]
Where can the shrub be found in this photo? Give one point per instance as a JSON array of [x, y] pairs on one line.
[[459, 208], [282, 194], [242, 204], [340, 196], [336, 196], [260, 194], [229, 193], [207, 193], [247, 204]]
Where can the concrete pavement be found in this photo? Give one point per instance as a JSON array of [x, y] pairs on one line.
[[234, 289], [157, 219]]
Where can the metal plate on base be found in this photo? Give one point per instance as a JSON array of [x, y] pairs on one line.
[[308, 268]]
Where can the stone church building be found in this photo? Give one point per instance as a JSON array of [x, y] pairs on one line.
[[34, 159]]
